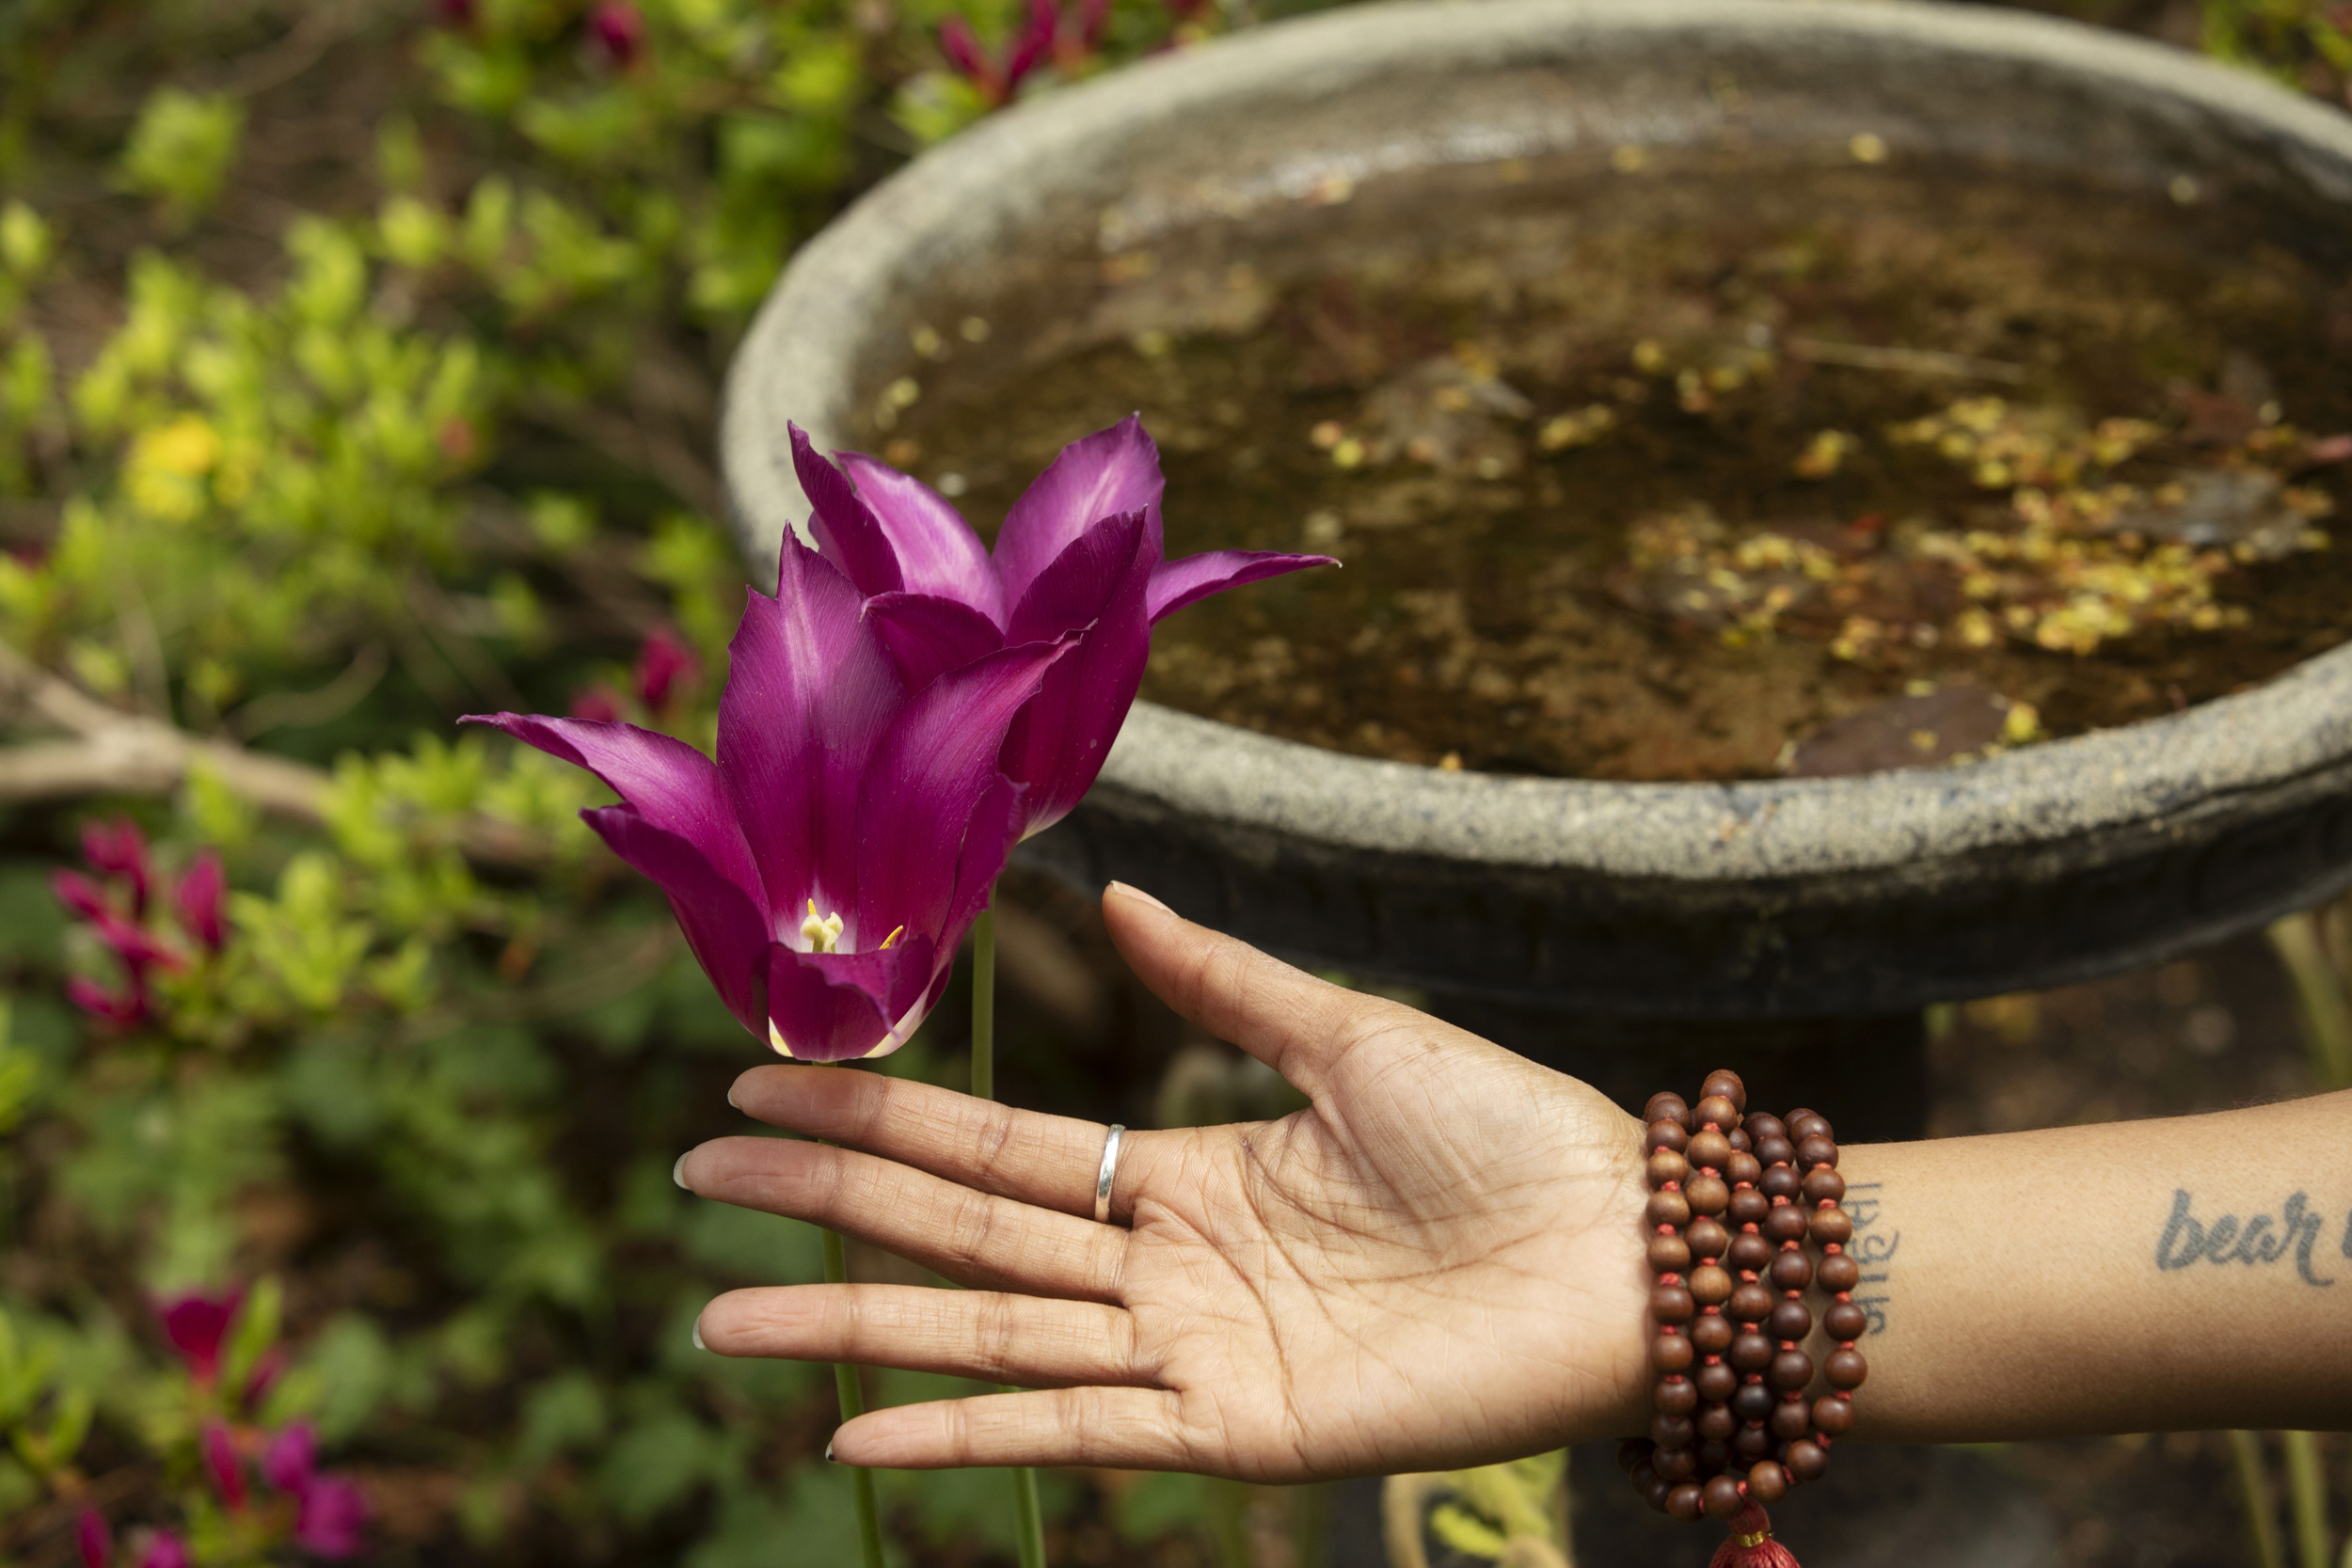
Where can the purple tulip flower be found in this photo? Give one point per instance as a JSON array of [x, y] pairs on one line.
[[826, 866], [1080, 553]]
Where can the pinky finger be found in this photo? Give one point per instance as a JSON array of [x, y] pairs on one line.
[[1125, 1429]]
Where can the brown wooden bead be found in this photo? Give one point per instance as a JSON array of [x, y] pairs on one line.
[[1686, 1503], [1791, 1369], [1707, 1236], [1751, 1252], [1680, 1465], [1830, 1225], [1710, 1335], [1672, 1431], [1716, 1423], [1633, 1453], [1837, 1273], [1671, 1352], [1711, 1285], [1761, 1125], [1715, 1108], [1767, 1481], [1750, 1443], [1666, 1166], [1675, 1396], [1666, 1105], [1669, 1253], [1716, 1382], [1785, 1223], [1665, 1135], [1667, 1209], [1751, 1353], [1808, 1124], [1750, 1303], [1708, 1194], [1833, 1416], [1714, 1458], [1792, 1420], [1747, 1206], [1791, 1321], [1817, 1154], [1738, 1137], [1823, 1186], [1845, 1368], [1845, 1321], [1742, 1168], [1723, 1498], [1709, 1151], [1778, 1181], [1672, 1304], [1792, 1270], [1805, 1459], [1724, 1082], [1774, 1151], [1754, 1403], [1654, 1490]]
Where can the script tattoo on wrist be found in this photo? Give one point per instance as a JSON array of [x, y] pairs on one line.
[[2187, 1240], [1873, 1247]]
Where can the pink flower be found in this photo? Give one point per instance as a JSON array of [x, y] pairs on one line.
[[125, 1010], [595, 703], [287, 1461], [221, 1458], [332, 1513], [998, 80], [197, 1322], [118, 849], [663, 666], [618, 30], [200, 894], [165, 1550], [96, 1541]]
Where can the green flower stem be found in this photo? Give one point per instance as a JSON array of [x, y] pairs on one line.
[[1029, 1518], [2253, 1484], [853, 1398], [2306, 1498]]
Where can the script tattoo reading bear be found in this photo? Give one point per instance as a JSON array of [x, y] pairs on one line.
[[2187, 1240]]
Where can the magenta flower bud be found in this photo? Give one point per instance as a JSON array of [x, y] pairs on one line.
[[165, 1550], [617, 29], [221, 1458], [664, 664], [125, 1010], [333, 1512], [266, 1371], [201, 896], [96, 1541], [118, 849], [197, 1324], [961, 47], [83, 899], [291, 1456], [596, 705]]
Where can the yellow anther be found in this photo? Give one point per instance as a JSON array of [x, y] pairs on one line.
[[823, 932]]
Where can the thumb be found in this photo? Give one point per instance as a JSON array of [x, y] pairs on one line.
[[1286, 1018]]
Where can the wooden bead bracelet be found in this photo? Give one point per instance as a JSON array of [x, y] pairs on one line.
[[1733, 1201]]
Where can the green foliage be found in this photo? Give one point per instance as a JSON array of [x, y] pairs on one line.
[[181, 149]]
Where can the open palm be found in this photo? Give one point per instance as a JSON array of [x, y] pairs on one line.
[[1436, 1263]]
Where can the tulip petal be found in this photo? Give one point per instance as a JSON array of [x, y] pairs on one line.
[[928, 636], [938, 552], [996, 826], [845, 529], [1096, 587], [728, 932], [809, 692], [1098, 476], [665, 781], [840, 1007], [928, 773], [1178, 584]]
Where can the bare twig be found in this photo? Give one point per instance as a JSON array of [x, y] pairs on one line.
[[279, 710], [1911, 362], [688, 474]]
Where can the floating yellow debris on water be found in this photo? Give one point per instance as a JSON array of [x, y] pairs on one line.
[[1824, 454], [1629, 158], [1579, 428], [1329, 433], [1867, 147]]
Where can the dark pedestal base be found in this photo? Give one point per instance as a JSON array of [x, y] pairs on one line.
[[1869, 1075]]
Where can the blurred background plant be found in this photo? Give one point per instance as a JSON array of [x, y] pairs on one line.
[[358, 367]]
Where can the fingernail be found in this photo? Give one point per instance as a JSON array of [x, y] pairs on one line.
[[698, 1335], [677, 1172], [829, 1458], [1126, 890], [731, 1099]]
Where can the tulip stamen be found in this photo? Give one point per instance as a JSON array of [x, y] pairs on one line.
[[822, 931], [896, 932]]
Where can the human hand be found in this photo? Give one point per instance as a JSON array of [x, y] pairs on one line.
[[1439, 1264]]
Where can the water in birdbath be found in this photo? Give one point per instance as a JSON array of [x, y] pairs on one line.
[[1657, 471]]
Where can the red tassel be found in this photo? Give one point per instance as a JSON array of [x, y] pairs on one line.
[[1752, 1544]]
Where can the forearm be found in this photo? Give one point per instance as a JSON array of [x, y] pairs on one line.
[[2137, 1276]]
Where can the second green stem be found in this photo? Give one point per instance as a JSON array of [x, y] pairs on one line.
[[853, 1398]]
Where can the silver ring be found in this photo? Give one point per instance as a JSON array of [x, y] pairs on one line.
[[1103, 1181]]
